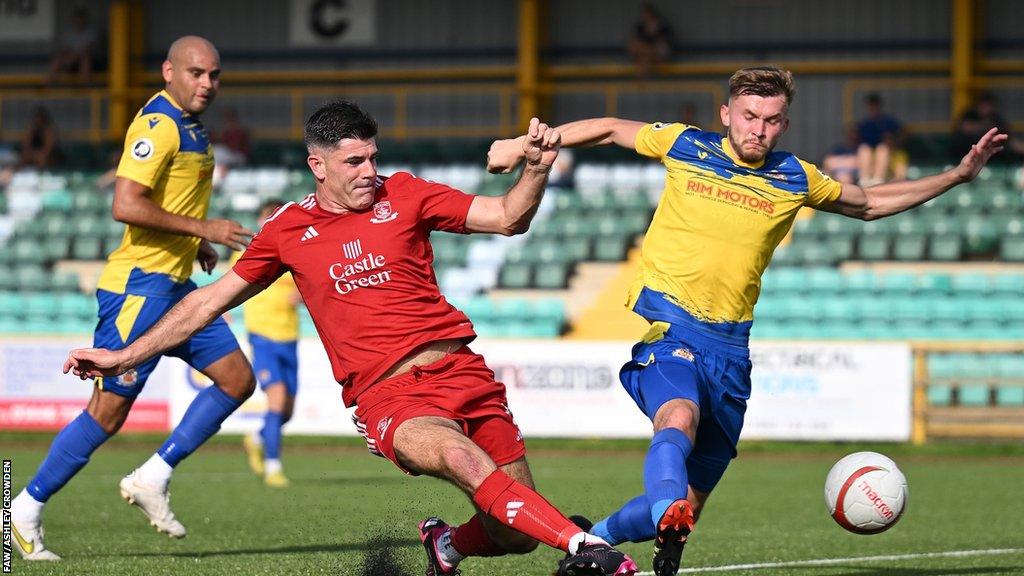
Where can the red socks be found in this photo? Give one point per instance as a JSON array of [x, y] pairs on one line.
[[521, 509], [472, 539]]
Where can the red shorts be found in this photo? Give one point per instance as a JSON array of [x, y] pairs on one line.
[[459, 387]]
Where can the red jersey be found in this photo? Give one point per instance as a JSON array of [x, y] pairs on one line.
[[366, 277]]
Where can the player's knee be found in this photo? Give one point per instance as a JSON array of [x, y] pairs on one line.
[[239, 386], [679, 414], [463, 463]]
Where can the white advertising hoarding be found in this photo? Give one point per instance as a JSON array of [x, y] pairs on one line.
[[801, 391], [327, 23]]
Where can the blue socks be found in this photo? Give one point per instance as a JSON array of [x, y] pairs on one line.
[[202, 420], [271, 434], [631, 523], [69, 452], [665, 481]]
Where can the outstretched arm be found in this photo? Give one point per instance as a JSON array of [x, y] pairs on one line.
[[895, 197], [512, 213], [180, 323], [505, 155]]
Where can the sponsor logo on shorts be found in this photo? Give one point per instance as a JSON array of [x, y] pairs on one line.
[[128, 379], [382, 427], [683, 353]]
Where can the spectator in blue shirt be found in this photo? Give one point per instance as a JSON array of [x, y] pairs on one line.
[[880, 138]]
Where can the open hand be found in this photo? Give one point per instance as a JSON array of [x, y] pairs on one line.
[[972, 163]]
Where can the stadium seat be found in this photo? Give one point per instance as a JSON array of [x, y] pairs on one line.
[[911, 247], [551, 276], [610, 248], [515, 275], [86, 249], [1012, 249], [974, 395], [31, 278], [940, 395], [945, 248], [873, 247], [1010, 396]]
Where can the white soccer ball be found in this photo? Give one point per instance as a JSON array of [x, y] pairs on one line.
[[866, 493]]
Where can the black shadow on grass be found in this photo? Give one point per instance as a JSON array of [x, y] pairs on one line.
[[879, 571], [369, 546]]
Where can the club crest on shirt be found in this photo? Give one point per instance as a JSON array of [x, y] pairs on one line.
[[683, 353], [382, 212]]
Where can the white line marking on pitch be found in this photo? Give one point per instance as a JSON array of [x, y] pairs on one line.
[[834, 561]]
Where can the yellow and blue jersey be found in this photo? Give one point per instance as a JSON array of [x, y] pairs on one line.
[[716, 226], [168, 151], [273, 313]]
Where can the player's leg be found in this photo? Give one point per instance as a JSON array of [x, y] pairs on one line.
[[214, 352], [275, 365], [437, 447], [122, 318], [69, 453]]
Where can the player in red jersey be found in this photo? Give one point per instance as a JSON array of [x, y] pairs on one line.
[[359, 251]]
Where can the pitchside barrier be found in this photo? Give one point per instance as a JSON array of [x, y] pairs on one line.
[[801, 391]]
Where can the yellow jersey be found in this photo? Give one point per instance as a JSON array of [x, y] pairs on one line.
[[716, 226], [168, 151], [273, 313]]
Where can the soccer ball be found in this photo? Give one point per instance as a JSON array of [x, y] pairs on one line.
[[866, 493]]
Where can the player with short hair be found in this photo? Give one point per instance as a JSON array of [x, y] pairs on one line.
[[728, 202], [272, 320], [359, 251], [162, 193]]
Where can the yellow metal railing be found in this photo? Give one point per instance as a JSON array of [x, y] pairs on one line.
[[962, 421]]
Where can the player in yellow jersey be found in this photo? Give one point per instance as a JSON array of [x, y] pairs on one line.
[[728, 202], [162, 192], [272, 320]]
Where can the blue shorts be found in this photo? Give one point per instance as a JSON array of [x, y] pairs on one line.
[[715, 375], [125, 317], [274, 362]]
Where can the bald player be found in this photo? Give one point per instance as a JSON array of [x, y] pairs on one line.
[[162, 193]]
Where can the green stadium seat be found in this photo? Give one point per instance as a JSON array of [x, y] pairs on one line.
[[1004, 201], [839, 310], [66, 282], [610, 248], [511, 309], [41, 305], [1012, 249], [28, 251], [873, 247], [86, 249], [910, 247], [76, 305], [974, 395], [10, 325], [859, 282], [898, 283], [91, 226], [54, 249], [553, 276], [1010, 396], [31, 278], [550, 310], [940, 395], [980, 236], [89, 202], [11, 304], [968, 284], [945, 248], [479, 309], [515, 275], [984, 309], [8, 281], [934, 285], [61, 201], [1008, 284], [823, 280]]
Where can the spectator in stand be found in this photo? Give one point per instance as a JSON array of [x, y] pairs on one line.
[[651, 42], [75, 53], [841, 162], [979, 119], [232, 140], [880, 137], [39, 143]]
